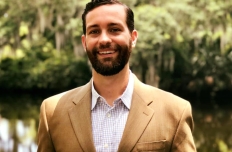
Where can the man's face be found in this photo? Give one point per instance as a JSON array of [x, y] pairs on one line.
[[108, 42]]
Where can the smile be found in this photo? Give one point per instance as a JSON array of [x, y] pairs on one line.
[[106, 52]]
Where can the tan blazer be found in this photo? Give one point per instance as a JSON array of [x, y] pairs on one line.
[[158, 121]]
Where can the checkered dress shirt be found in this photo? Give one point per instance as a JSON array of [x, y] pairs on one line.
[[108, 122]]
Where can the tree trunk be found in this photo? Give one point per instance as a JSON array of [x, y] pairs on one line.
[[152, 75]]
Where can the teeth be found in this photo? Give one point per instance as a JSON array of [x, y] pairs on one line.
[[106, 52]]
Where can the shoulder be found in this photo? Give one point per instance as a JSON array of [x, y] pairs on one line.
[[161, 98], [64, 100]]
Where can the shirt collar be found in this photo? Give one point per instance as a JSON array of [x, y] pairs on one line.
[[126, 97]]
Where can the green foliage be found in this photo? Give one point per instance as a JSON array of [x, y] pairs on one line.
[[184, 47], [37, 41], [44, 70]]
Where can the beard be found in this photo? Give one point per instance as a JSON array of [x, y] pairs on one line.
[[110, 66]]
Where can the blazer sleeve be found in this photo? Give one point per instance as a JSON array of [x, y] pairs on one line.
[[183, 139], [44, 139]]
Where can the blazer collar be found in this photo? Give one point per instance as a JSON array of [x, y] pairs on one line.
[[80, 116], [139, 116]]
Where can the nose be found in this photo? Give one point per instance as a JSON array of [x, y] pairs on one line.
[[104, 38]]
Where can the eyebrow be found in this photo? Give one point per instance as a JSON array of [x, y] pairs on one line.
[[113, 24], [92, 26], [109, 25]]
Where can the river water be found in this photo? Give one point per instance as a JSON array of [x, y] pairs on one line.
[[17, 135], [19, 118]]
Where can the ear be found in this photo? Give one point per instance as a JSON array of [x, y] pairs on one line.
[[83, 40], [134, 37]]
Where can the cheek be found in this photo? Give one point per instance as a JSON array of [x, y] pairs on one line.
[[122, 40], [90, 44]]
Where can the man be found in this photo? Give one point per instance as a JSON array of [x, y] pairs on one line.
[[114, 111]]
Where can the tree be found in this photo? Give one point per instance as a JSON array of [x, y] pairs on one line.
[[184, 44]]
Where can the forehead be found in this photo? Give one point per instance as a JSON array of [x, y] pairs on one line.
[[106, 13]]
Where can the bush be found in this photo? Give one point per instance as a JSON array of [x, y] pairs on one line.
[[44, 71]]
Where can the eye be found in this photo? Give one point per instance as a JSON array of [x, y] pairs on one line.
[[114, 30], [94, 32]]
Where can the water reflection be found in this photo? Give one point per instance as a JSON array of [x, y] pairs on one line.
[[6, 142], [17, 135], [18, 128]]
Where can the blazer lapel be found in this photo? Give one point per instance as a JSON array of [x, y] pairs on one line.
[[80, 116], [139, 117]]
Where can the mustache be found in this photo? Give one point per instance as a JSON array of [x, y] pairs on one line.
[[106, 46], [96, 49]]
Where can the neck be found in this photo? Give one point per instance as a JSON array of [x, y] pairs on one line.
[[111, 87]]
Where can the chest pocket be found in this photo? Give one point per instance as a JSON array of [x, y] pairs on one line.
[[155, 146]]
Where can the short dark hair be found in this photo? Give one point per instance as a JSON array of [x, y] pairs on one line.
[[96, 3]]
